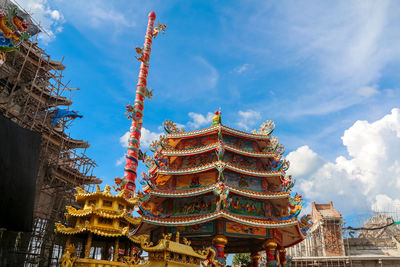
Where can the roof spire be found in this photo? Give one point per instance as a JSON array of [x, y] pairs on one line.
[[217, 118]]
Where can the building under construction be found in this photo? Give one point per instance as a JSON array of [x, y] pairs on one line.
[[362, 240], [35, 100]]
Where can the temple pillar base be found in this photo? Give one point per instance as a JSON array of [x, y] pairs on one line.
[[270, 251], [219, 243]]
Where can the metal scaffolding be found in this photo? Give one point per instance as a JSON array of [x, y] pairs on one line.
[[31, 90]]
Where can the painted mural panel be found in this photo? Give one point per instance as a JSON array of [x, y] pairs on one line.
[[240, 229], [186, 144], [242, 143], [243, 162], [190, 206], [244, 181], [164, 182], [195, 180], [246, 206], [198, 229], [193, 161]]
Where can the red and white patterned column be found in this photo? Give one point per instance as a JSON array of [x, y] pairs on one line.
[[136, 127]]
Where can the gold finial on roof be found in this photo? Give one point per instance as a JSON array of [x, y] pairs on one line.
[[167, 236], [80, 190], [186, 242]]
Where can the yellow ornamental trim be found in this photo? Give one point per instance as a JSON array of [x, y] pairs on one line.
[[171, 246], [60, 228], [139, 239], [133, 220], [78, 213], [107, 232], [72, 212], [81, 195], [93, 210]]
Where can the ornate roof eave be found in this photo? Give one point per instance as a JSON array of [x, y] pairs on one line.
[[210, 188], [208, 148], [301, 235], [169, 245], [214, 165], [103, 213], [216, 128], [133, 220], [183, 193], [82, 195], [258, 195], [60, 228], [197, 219]]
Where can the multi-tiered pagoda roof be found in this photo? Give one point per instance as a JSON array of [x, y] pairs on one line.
[[221, 181]]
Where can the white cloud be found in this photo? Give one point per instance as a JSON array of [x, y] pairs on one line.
[[304, 161], [367, 178], [120, 161], [385, 203], [48, 18], [145, 140], [242, 68], [98, 15], [147, 137], [124, 139], [54, 14], [248, 118], [199, 119], [367, 91]]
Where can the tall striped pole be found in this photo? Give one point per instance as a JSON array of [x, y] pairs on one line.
[[137, 118]]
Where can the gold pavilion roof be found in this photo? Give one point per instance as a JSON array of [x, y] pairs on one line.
[[122, 214], [171, 246], [101, 231], [81, 196]]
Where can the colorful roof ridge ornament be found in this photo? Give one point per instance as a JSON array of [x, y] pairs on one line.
[[217, 118], [13, 30], [135, 112], [171, 127], [266, 128]]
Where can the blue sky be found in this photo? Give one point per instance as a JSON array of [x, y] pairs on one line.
[[327, 73]]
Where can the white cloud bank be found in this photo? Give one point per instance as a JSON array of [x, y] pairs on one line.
[[248, 118], [368, 178], [199, 120]]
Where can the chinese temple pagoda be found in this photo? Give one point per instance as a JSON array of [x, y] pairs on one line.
[[100, 233], [222, 188]]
